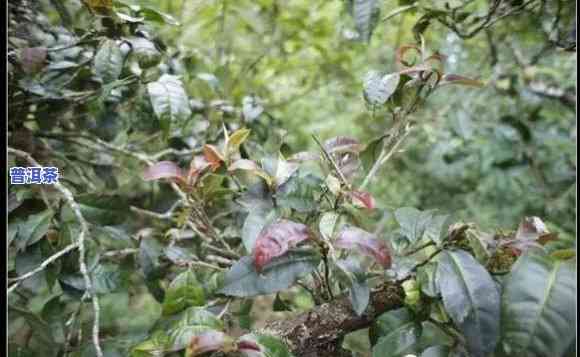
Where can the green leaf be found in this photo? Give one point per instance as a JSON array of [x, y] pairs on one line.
[[436, 351], [371, 153], [537, 307], [152, 347], [269, 346], [12, 233], [193, 322], [53, 313], [169, 100], [151, 14], [426, 277], [41, 330], [413, 222], [359, 292], [33, 229], [106, 278], [327, 224], [27, 261], [379, 88], [397, 334], [436, 229], [280, 305], [257, 197], [366, 17], [236, 139], [433, 335], [150, 250], [108, 62], [471, 298], [145, 52], [299, 192], [184, 291], [279, 168], [243, 280]]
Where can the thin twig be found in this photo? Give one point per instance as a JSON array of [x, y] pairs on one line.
[[42, 266], [225, 309], [399, 11], [204, 264], [423, 263], [163, 216], [120, 253], [387, 152], [220, 251], [419, 248], [328, 157], [219, 260]]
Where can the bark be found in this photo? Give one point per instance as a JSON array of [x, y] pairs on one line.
[[320, 331]]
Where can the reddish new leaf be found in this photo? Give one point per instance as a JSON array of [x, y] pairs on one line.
[[275, 240], [354, 238], [249, 349], [209, 341], [531, 233], [213, 156], [163, 169], [362, 198], [196, 168], [415, 70]]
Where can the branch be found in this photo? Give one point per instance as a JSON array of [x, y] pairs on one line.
[[80, 244], [544, 90], [488, 21], [319, 332], [41, 267], [399, 11]]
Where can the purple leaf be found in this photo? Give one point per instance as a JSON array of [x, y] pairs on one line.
[[33, 59], [213, 156], [354, 238], [362, 198], [249, 349], [531, 233], [163, 169], [275, 240]]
